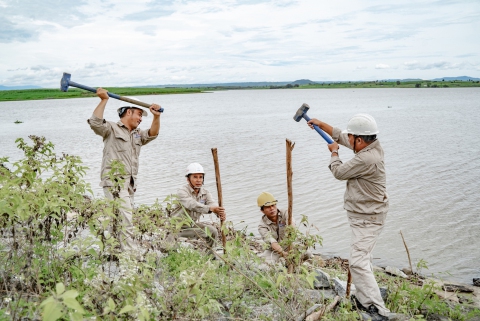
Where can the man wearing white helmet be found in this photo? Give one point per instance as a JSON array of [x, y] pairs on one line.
[[272, 228], [122, 141], [366, 202], [197, 201]]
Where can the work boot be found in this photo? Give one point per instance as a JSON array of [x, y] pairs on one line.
[[373, 313], [357, 303]]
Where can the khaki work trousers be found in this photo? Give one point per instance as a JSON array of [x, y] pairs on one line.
[[126, 197], [198, 231], [365, 233]]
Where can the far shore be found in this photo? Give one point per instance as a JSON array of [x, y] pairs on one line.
[[45, 93]]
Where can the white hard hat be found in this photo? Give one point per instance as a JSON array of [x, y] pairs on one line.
[[362, 125], [124, 104], [194, 168]]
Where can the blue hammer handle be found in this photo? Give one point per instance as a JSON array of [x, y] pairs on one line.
[[321, 132], [93, 90]]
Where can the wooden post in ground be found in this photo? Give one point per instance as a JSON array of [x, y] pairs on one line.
[[408, 252], [289, 146], [219, 191], [349, 282]]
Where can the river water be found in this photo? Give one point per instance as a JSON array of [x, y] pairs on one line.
[[430, 137]]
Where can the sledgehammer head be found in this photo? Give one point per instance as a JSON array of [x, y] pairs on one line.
[[65, 81], [300, 112]]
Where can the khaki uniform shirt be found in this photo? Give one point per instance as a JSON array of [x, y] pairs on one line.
[[274, 232], [366, 192], [119, 144], [195, 204]]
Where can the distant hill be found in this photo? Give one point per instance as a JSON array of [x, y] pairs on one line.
[[462, 78], [19, 87], [406, 79], [303, 82]]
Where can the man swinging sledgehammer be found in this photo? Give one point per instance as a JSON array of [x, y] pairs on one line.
[[365, 199], [122, 142]]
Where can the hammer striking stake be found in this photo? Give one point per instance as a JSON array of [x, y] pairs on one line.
[[302, 113]]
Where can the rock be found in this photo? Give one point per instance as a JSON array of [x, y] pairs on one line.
[[395, 271], [476, 281], [378, 269], [186, 245], [438, 317], [317, 295], [159, 289], [265, 311], [444, 295], [398, 317], [317, 260], [384, 293], [303, 315], [391, 317], [341, 287], [322, 280], [456, 288], [407, 271], [262, 267]]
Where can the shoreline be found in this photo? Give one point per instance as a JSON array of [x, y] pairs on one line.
[[52, 93]]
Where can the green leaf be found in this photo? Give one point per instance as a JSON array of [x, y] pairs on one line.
[[106, 310], [47, 300], [144, 315], [280, 278], [126, 309], [52, 311], [73, 304], [70, 294], [92, 252], [60, 288], [76, 316], [111, 304]]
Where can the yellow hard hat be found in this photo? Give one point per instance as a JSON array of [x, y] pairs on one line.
[[266, 199]]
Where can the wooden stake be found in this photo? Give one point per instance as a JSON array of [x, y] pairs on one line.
[[408, 252], [219, 191], [349, 282], [289, 146]]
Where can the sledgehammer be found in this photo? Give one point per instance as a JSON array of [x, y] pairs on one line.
[[65, 82], [302, 113]]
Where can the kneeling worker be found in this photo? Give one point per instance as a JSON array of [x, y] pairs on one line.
[[272, 228], [196, 201]]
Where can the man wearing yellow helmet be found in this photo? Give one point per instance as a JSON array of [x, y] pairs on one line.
[[366, 202], [197, 201], [272, 228]]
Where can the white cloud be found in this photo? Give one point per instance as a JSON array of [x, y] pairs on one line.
[[439, 65], [201, 41]]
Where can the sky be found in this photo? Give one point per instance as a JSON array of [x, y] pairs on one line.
[[160, 42]]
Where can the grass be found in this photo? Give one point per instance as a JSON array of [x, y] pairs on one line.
[[38, 94], [49, 272]]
